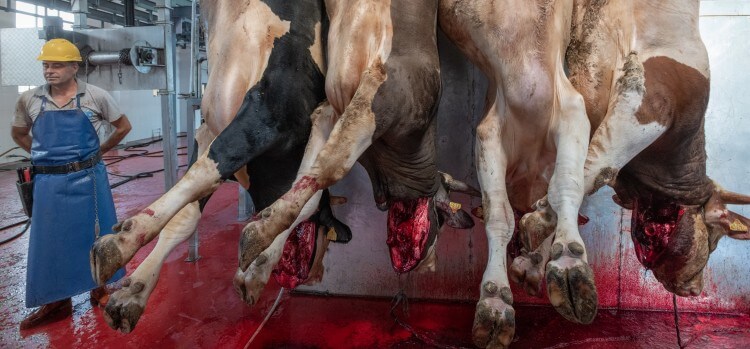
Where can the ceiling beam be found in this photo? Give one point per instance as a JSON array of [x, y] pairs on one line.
[[106, 11]]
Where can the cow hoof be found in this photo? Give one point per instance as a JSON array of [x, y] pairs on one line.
[[537, 226], [494, 323], [527, 270], [125, 306], [570, 285], [252, 243], [250, 283], [105, 258]]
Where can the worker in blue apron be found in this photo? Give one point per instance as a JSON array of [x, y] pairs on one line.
[[72, 204]]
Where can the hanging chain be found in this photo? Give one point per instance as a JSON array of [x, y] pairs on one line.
[[676, 320], [96, 206], [119, 71], [401, 299]]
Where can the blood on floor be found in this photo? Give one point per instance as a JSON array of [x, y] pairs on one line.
[[195, 306]]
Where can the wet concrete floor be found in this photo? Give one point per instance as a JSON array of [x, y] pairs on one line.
[[194, 304]]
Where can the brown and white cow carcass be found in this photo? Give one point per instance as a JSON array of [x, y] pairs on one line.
[[383, 87], [640, 70], [643, 71], [266, 76]]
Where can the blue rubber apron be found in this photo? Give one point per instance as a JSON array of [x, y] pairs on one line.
[[70, 210]]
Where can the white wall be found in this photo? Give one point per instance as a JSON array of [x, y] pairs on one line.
[[143, 110], [8, 96]]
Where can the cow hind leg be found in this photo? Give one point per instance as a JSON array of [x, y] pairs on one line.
[[126, 305], [570, 280], [621, 136], [618, 139], [350, 137], [494, 318], [111, 252], [249, 284], [250, 280]]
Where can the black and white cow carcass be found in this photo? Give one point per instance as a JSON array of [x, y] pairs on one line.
[[266, 77]]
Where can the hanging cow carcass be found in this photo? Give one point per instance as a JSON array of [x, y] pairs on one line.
[[383, 85], [531, 141], [266, 76], [643, 71]]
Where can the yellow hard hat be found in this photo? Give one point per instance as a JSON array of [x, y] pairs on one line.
[[59, 50]]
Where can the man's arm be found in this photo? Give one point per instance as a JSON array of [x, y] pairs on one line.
[[22, 138], [122, 127]]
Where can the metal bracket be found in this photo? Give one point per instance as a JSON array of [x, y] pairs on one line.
[[143, 56]]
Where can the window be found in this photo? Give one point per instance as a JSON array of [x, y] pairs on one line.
[[32, 16], [22, 89], [28, 21]]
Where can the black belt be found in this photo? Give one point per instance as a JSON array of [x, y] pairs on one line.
[[69, 167]]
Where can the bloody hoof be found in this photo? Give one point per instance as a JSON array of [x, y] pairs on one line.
[[105, 258], [494, 323], [250, 283], [570, 285], [239, 286], [527, 270], [125, 306]]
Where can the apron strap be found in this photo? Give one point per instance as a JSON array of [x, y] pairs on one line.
[[44, 103]]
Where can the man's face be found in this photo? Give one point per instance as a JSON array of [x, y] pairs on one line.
[[59, 73]]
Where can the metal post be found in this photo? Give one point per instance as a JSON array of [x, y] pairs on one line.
[[80, 10], [168, 96], [246, 207], [193, 47], [193, 104]]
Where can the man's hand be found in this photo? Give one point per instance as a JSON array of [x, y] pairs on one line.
[[122, 127], [22, 138]]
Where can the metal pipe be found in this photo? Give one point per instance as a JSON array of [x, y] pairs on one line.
[[193, 46], [104, 58], [245, 205], [192, 106], [193, 254], [129, 13], [168, 96], [199, 78]]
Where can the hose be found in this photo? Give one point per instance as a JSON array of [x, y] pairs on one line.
[[268, 316], [10, 238]]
